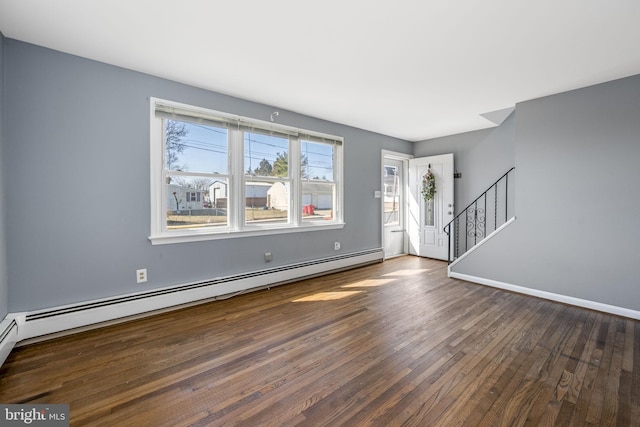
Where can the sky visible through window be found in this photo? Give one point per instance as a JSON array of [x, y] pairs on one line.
[[205, 150], [319, 160]]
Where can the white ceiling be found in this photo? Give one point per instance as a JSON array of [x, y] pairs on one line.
[[413, 69]]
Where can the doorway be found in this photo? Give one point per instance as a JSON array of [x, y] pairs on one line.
[[394, 204]]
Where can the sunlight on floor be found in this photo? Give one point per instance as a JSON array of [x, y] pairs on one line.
[[369, 283], [328, 296], [407, 272]]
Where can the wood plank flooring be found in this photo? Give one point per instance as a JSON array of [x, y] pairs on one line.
[[396, 343]]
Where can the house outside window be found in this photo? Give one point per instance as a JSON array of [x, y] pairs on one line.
[[215, 175], [193, 196]]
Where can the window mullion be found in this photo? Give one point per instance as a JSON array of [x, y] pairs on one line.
[[237, 211], [295, 176]]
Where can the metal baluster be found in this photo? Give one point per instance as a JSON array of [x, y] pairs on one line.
[[506, 195], [484, 223], [466, 232], [457, 252], [475, 223], [495, 208], [447, 229]]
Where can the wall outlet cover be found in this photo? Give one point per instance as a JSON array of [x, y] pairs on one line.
[[141, 275]]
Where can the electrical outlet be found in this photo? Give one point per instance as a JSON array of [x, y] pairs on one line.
[[141, 275], [336, 246], [267, 257]]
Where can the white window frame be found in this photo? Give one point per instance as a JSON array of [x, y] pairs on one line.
[[247, 180], [236, 226]]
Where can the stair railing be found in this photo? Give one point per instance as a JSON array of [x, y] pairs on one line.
[[493, 202]]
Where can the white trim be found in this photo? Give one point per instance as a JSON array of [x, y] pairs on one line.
[[338, 168], [236, 209], [8, 337], [482, 242], [63, 318], [193, 236], [592, 305], [158, 215], [404, 158], [295, 185]]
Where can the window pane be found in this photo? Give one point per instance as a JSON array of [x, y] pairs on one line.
[[317, 201], [267, 202], [196, 148], [195, 202], [429, 218], [391, 196], [317, 161], [265, 155]]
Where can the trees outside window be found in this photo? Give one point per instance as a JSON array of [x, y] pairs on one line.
[[215, 173]]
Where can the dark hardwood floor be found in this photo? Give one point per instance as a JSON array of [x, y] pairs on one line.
[[396, 343]]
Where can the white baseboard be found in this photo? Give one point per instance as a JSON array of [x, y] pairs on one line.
[[8, 337], [592, 305], [71, 317]]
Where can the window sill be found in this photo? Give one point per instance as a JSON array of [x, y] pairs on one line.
[[194, 236]]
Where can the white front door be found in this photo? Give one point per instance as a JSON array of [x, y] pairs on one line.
[[394, 202], [427, 218]]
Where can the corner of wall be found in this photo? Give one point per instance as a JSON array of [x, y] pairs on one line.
[[548, 253], [4, 290]]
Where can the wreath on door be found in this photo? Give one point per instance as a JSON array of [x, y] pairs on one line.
[[428, 185]]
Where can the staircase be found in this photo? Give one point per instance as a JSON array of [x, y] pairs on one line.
[[480, 218]]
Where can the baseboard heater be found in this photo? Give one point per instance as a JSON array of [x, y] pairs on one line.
[[8, 337], [57, 319]]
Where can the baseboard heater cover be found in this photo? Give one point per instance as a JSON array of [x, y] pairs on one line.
[[72, 316], [8, 337]]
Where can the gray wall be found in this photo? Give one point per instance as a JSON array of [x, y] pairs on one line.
[[77, 191], [74, 139], [481, 156], [4, 292], [577, 231]]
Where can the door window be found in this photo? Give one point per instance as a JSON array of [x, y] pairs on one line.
[[391, 195]]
